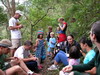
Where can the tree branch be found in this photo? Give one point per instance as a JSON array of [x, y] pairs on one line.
[[4, 4], [42, 16]]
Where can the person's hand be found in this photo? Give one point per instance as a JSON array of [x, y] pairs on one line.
[[82, 53], [33, 58], [44, 43], [20, 26], [14, 58], [67, 68]]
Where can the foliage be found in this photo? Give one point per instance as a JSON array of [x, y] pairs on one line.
[[39, 14]]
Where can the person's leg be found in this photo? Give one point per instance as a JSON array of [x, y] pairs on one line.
[[48, 51], [1, 72], [72, 73], [15, 70], [61, 57], [23, 66], [15, 45], [32, 65], [62, 73]]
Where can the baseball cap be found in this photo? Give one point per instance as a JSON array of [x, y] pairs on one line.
[[5, 43], [19, 12]]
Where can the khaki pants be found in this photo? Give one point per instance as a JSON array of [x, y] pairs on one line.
[[16, 43]]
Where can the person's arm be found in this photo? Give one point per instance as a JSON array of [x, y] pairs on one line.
[[44, 42], [83, 53], [84, 67], [1, 72], [64, 26], [30, 58], [92, 71], [37, 42], [15, 27], [12, 27], [10, 58], [81, 67], [27, 59]]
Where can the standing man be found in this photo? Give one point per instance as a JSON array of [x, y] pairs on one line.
[[15, 27]]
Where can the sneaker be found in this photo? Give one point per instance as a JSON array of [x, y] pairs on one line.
[[53, 67]]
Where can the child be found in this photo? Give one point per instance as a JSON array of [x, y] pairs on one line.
[[40, 47], [74, 55], [52, 43]]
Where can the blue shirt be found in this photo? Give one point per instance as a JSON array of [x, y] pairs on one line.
[[89, 56], [52, 42]]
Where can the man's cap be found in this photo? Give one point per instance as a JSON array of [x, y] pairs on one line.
[[19, 12], [5, 43]]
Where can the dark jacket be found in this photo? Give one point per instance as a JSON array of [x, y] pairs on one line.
[[74, 44]]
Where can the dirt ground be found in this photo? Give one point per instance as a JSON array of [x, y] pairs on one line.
[[46, 64]]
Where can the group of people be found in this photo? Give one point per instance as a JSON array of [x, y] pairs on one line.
[[15, 58], [61, 49]]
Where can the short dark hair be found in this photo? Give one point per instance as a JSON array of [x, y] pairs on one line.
[[96, 30], [28, 43], [39, 36], [74, 52], [71, 35], [85, 40]]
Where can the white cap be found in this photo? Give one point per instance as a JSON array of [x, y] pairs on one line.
[[19, 12]]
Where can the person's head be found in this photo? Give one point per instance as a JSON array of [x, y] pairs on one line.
[[5, 46], [52, 34], [60, 20], [70, 39], [95, 32], [85, 43], [74, 52], [17, 14], [50, 28], [28, 45], [40, 36]]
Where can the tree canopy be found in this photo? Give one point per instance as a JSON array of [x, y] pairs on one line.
[[39, 14]]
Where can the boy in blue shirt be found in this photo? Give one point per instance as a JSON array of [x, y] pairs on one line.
[[52, 44]]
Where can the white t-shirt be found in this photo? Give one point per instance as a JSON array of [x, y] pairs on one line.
[[21, 52], [15, 34]]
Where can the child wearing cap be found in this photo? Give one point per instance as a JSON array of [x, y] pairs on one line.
[[40, 47], [52, 43]]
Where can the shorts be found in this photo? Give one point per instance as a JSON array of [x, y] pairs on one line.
[[16, 43], [50, 49]]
